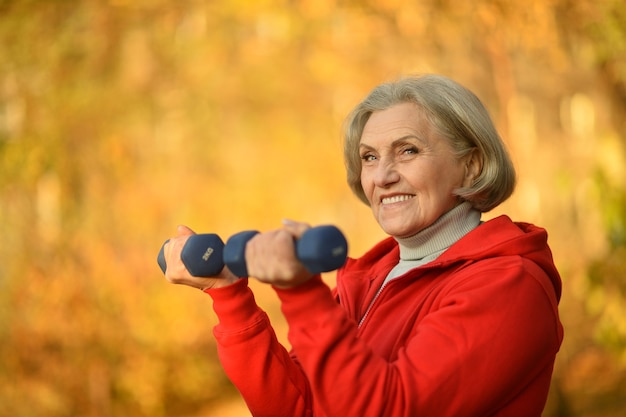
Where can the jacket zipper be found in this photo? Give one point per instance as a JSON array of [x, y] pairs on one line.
[[369, 307], [382, 287]]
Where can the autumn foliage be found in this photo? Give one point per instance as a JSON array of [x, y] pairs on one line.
[[120, 119]]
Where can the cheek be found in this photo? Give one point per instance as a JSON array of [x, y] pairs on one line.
[[447, 173], [367, 185]]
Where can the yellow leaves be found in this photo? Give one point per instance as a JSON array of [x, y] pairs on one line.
[[316, 9], [120, 119], [605, 297], [611, 157], [522, 122], [48, 201], [137, 61], [580, 118]]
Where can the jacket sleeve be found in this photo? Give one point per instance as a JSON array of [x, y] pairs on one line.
[[485, 340], [270, 381]]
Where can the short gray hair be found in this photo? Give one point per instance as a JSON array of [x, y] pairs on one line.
[[458, 115]]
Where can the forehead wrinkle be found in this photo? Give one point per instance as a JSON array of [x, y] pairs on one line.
[[419, 128], [397, 142]]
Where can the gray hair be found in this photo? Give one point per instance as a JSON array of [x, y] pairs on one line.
[[458, 115]]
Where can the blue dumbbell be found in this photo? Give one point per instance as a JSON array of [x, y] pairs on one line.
[[320, 249], [202, 255]]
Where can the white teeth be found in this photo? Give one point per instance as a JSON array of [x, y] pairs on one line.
[[396, 199]]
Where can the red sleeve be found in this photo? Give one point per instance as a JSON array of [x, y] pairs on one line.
[[254, 360], [489, 340]]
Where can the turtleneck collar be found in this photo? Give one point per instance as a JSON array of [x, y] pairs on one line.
[[439, 236]]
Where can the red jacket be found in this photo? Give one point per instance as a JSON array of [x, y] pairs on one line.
[[473, 333]]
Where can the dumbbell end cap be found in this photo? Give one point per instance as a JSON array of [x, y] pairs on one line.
[[322, 249], [202, 255], [161, 258]]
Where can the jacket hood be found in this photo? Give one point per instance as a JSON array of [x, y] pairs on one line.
[[498, 237]]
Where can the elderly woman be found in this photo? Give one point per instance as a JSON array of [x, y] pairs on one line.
[[449, 316]]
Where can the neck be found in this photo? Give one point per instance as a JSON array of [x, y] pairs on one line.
[[440, 235]]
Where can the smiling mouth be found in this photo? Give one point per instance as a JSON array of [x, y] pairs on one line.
[[396, 199]]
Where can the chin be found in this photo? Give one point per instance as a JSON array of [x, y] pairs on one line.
[[403, 235], [399, 232]]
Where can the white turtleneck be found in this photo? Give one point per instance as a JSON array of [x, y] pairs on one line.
[[431, 242]]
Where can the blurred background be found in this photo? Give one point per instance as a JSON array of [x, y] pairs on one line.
[[121, 119]]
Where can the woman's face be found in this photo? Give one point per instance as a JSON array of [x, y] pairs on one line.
[[409, 171]]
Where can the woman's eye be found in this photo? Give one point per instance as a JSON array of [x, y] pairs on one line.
[[368, 157], [410, 151]]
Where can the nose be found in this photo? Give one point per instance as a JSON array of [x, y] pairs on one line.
[[386, 173]]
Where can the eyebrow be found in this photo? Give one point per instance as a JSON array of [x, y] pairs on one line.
[[395, 142]]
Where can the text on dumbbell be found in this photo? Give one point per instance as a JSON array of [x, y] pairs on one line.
[[207, 254], [339, 250]]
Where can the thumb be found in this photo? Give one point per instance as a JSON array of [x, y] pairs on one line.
[[184, 231]]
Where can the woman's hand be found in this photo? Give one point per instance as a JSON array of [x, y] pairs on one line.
[[177, 273], [271, 256]]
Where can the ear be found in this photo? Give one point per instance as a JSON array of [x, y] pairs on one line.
[[473, 166]]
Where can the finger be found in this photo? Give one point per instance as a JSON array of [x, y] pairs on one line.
[[184, 230], [181, 231], [173, 247], [296, 229]]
